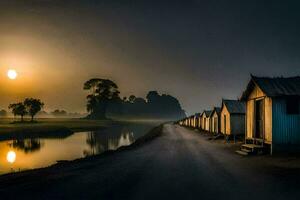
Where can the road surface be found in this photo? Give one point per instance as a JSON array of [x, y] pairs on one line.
[[180, 164]]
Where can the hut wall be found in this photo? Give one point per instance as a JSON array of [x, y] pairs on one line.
[[215, 123], [237, 124], [203, 122], [268, 119], [249, 118], [194, 122], [207, 124], [286, 127], [199, 122], [224, 113]]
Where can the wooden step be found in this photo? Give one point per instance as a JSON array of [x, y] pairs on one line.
[[252, 147], [246, 150], [243, 153]]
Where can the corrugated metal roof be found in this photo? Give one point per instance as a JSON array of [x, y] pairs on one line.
[[197, 114], [217, 110], [274, 87], [235, 106], [207, 112]]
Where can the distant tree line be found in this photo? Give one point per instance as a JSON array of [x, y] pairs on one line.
[[63, 113], [3, 113], [19, 108], [103, 101]]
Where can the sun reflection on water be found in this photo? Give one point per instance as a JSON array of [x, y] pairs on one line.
[[11, 157]]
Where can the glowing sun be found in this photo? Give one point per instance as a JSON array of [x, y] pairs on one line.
[[12, 74], [11, 156]]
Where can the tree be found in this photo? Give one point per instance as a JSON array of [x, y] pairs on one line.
[[103, 92], [33, 106], [18, 109], [3, 113], [92, 84], [132, 98], [27, 145], [92, 101], [152, 96], [58, 112]]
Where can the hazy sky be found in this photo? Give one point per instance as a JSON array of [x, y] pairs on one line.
[[199, 51]]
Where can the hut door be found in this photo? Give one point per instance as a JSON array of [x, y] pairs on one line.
[[259, 119], [216, 125]]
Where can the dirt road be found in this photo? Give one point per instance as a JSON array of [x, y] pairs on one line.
[[180, 164]]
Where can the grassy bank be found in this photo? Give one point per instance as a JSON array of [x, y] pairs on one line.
[[8, 129]]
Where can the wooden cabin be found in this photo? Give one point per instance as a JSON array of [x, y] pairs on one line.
[[197, 120], [185, 122], [194, 120], [273, 112], [206, 120], [233, 117], [215, 120], [188, 122], [200, 121], [191, 121]]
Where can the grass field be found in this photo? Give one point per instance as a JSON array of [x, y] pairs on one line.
[[49, 125]]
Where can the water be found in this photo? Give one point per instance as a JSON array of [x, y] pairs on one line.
[[30, 153]]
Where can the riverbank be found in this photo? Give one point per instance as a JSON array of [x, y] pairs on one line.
[[48, 127]]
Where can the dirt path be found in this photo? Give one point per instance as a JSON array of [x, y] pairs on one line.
[[178, 165]]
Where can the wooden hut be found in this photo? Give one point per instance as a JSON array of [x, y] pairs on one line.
[[215, 120], [192, 118], [191, 121], [232, 117], [185, 122], [197, 120], [205, 120], [201, 121], [273, 112]]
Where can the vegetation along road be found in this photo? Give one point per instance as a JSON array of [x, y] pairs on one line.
[[180, 164]]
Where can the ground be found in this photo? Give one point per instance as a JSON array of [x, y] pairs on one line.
[[180, 164], [48, 125]]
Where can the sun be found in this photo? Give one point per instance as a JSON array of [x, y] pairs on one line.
[[12, 74], [11, 156]]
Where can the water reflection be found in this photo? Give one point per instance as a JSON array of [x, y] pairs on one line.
[[35, 152], [100, 142], [26, 145], [11, 157]]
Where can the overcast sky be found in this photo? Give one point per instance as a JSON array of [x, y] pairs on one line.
[[198, 51]]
